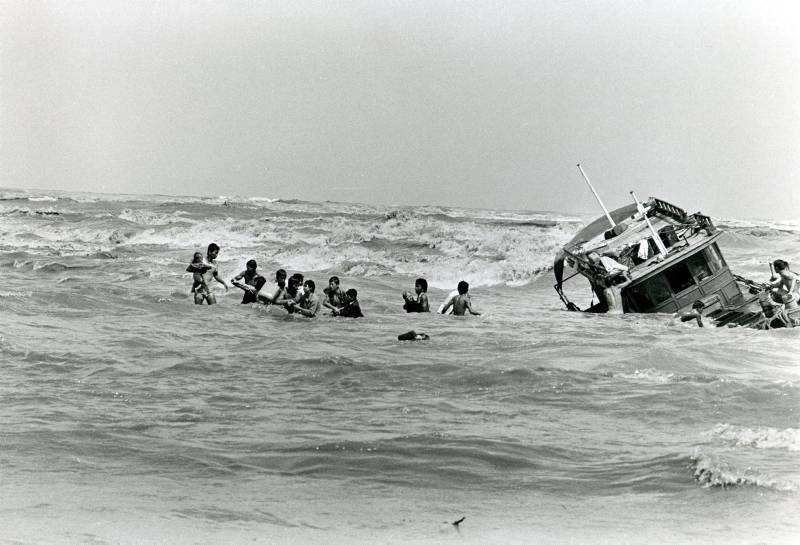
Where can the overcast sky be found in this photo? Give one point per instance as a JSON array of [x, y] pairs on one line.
[[465, 103]]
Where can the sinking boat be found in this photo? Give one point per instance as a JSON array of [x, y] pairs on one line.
[[655, 257]]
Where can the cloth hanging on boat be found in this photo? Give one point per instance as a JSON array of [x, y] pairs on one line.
[[644, 249], [612, 266]]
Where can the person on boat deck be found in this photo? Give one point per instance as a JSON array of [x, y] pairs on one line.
[[419, 301], [785, 284], [462, 302], [252, 282], [308, 304], [334, 294], [270, 298]]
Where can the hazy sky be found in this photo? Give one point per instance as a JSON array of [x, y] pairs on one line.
[[465, 103]]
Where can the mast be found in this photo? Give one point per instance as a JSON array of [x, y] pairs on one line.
[[596, 196], [657, 239]]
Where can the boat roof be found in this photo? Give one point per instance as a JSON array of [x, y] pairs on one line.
[[592, 248]]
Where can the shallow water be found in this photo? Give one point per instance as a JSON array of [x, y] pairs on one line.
[[129, 415]]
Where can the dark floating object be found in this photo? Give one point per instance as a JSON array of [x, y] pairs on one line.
[[413, 336], [459, 521]]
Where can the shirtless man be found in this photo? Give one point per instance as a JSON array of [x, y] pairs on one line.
[[334, 295], [461, 303], [209, 272], [292, 294], [253, 282], [785, 284], [267, 297], [309, 304]]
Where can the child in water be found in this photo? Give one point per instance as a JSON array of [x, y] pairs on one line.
[[197, 267]]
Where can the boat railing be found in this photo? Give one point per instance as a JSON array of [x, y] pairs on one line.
[[704, 222], [667, 209]]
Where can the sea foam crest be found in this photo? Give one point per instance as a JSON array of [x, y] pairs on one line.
[[710, 471], [760, 437]]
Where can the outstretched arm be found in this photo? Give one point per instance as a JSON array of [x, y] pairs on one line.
[[220, 280], [469, 308]]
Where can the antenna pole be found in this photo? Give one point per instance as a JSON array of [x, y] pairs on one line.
[[596, 196], [657, 239]]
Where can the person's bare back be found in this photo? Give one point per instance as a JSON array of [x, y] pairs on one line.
[[461, 304]]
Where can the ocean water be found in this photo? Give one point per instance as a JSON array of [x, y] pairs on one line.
[[129, 415]]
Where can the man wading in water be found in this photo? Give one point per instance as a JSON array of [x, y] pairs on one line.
[[209, 271]]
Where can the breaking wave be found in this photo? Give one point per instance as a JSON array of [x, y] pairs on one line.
[[713, 472]]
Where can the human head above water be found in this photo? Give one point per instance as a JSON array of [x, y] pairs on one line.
[[422, 283], [780, 264], [252, 264], [197, 258], [352, 293], [333, 280], [463, 287], [213, 247], [310, 285], [280, 275]]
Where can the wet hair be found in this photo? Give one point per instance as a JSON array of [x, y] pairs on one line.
[[212, 247], [311, 285], [463, 287], [280, 273], [697, 305], [423, 283], [352, 293], [252, 264], [780, 264], [334, 279], [198, 256]]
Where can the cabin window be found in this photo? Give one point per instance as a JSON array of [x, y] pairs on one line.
[[698, 266], [650, 293], [714, 258], [679, 277]]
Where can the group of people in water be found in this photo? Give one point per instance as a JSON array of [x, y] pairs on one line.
[[298, 295]]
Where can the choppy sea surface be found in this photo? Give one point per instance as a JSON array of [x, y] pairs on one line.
[[129, 415]]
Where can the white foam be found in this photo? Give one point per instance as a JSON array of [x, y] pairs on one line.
[[759, 437]]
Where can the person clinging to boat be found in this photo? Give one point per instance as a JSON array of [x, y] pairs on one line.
[[695, 314], [784, 285]]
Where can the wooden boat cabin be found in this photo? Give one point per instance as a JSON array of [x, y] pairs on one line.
[[655, 258]]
